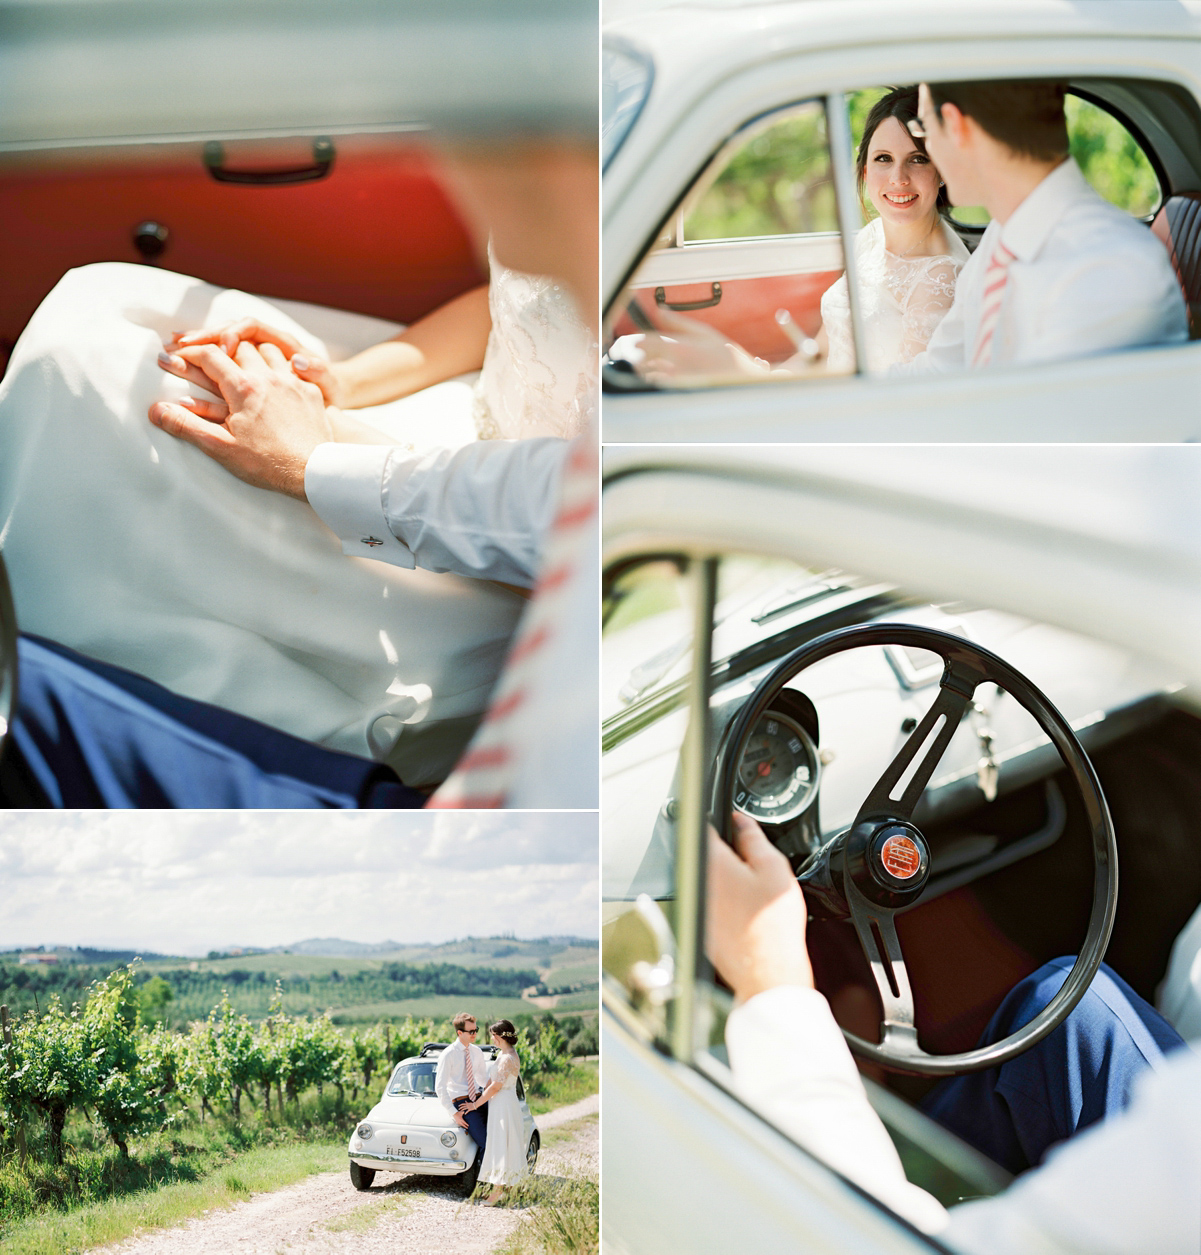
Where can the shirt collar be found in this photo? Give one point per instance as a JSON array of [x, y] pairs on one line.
[[1036, 217]]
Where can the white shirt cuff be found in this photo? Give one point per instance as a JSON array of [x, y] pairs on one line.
[[344, 485]]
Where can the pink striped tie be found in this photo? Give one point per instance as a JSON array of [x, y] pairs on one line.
[[482, 777], [470, 1075], [995, 279]]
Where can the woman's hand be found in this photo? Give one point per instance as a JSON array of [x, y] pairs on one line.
[[267, 422], [756, 916], [305, 365], [688, 351]]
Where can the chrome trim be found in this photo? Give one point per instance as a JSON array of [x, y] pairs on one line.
[[452, 1165]]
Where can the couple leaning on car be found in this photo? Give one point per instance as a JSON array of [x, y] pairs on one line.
[[319, 573], [1058, 273], [482, 1098]]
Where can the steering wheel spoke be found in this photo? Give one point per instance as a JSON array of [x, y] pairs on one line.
[[898, 790], [882, 947]]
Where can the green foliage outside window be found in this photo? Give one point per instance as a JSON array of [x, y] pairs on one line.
[[779, 181]]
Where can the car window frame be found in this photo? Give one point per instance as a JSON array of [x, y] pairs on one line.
[[694, 991], [842, 172]]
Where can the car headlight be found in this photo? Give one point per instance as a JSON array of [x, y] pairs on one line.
[[449, 1138], [364, 1131]]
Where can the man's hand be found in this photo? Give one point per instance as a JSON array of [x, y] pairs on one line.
[[267, 423], [305, 365], [459, 1120], [756, 916]]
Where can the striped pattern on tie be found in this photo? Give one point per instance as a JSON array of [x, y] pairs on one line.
[[483, 777], [995, 279]]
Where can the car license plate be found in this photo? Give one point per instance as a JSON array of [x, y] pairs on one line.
[[404, 1152]]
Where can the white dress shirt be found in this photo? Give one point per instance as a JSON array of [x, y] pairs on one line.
[[450, 1078], [1087, 278], [481, 510], [1126, 1187]]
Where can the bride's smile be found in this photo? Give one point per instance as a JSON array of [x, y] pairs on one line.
[[902, 184]]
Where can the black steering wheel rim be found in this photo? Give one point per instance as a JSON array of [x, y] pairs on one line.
[[963, 661]]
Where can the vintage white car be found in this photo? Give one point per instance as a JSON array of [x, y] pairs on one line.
[[893, 658], [409, 1130], [729, 194]]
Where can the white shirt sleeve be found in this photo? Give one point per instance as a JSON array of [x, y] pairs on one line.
[[480, 511], [812, 1092]]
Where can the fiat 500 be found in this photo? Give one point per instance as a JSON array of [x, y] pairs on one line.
[[729, 196], [989, 654], [409, 1130]]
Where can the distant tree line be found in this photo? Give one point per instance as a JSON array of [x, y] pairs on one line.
[[29, 988]]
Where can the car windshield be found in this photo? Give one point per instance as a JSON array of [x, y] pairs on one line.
[[626, 76], [413, 1078]]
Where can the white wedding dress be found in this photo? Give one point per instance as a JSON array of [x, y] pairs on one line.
[[136, 549], [504, 1160], [902, 300]]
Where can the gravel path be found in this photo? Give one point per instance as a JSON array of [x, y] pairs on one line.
[[325, 1213]]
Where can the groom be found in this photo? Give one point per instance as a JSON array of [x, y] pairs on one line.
[[461, 1076], [1059, 272]]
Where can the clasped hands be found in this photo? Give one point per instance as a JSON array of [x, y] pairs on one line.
[[277, 402]]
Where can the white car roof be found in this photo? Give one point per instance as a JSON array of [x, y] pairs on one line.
[[1103, 539], [104, 70]]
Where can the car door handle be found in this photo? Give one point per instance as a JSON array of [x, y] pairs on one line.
[[323, 163], [682, 307]]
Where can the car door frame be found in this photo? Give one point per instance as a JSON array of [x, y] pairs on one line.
[[1104, 398]]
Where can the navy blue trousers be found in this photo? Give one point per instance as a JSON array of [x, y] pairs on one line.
[[1077, 1075], [477, 1123], [87, 734]]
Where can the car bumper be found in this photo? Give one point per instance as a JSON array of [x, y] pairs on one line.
[[394, 1163]]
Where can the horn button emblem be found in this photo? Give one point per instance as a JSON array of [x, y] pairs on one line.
[[900, 857]]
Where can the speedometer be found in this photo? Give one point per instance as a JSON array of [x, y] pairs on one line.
[[778, 770]]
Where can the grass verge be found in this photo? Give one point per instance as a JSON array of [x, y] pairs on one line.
[[580, 1080], [563, 1218], [265, 1168]]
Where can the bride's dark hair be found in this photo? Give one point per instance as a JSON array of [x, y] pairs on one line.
[[505, 1031], [899, 103]]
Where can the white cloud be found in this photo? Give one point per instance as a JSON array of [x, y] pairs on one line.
[[190, 881]]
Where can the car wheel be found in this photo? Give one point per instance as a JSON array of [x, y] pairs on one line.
[[472, 1175], [531, 1154], [361, 1178]]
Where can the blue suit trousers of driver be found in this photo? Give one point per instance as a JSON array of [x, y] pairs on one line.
[[477, 1123], [87, 734], [1077, 1075]]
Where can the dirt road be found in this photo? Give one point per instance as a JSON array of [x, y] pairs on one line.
[[325, 1214]]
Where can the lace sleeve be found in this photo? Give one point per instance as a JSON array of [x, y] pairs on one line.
[[928, 298], [507, 1069]]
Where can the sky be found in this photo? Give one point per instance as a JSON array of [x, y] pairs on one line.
[[186, 882]]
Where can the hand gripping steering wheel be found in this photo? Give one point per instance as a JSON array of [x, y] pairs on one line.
[[879, 867]]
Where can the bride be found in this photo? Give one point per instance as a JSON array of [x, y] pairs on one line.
[[908, 259], [136, 549], [504, 1162]]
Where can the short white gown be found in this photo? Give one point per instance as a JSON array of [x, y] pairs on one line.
[[504, 1161], [136, 549]]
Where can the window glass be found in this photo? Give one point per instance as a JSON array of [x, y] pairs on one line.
[[626, 77], [1109, 158], [732, 291], [777, 183]]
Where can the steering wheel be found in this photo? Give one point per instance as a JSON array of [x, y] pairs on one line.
[[879, 867]]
